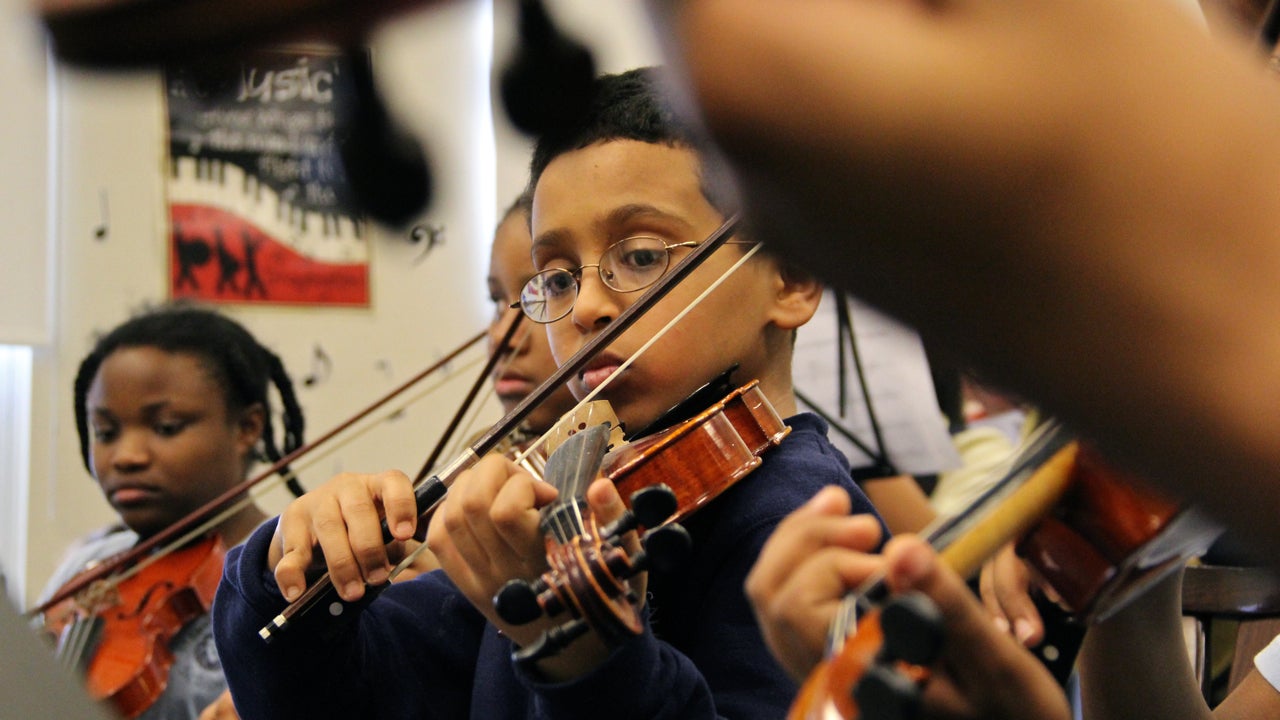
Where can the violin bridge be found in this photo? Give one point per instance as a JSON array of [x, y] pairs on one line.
[[596, 412]]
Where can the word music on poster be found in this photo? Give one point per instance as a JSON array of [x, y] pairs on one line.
[[260, 210]]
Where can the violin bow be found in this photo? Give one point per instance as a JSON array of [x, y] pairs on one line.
[[1047, 441]]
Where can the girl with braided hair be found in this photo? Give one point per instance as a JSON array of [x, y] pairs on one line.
[[172, 410]]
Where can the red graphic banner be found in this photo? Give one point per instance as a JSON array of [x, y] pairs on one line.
[[221, 257], [260, 210]]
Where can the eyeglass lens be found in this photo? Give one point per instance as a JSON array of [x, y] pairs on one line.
[[626, 266]]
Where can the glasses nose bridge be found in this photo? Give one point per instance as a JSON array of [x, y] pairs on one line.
[[590, 305], [602, 272]]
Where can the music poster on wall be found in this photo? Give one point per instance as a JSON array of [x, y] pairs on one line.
[[260, 210]]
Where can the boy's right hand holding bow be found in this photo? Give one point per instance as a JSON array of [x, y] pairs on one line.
[[485, 533], [343, 519]]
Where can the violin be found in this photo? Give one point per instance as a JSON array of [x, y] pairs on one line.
[[1128, 538], [118, 632], [663, 478]]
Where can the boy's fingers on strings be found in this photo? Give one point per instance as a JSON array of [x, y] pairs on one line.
[[606, 506], [462, 524], [973, 652], [516, 520], [800, 610]]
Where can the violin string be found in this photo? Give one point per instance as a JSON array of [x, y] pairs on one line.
[[643, 348], [407, 562], [71, 645], [580, 480], [81, 635]]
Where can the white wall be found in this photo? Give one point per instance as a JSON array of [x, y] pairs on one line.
[[110, 138]]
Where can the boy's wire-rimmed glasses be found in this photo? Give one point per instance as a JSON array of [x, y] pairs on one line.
[[626, 266]]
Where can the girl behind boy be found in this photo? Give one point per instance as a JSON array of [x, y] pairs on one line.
[[172, 410]]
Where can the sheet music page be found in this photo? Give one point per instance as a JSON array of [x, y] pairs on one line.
[[897, 374]]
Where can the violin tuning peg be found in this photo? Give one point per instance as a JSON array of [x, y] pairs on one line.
[[653, 505], [624, 524], [665, 548], [913, 628], [517, 602], [885, 694], [551, 642]]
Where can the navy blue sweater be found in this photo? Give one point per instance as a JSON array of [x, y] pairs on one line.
[[420, 650]]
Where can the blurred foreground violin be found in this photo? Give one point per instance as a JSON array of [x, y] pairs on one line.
[[1067, 506], [663, 477]]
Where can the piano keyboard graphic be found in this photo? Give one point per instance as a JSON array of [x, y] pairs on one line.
[[324, 237]]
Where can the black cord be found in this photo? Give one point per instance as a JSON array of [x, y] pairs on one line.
[[880, 457], [880, 463], [841, 430]]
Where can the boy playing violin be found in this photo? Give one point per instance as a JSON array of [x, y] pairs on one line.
[[618, 199]]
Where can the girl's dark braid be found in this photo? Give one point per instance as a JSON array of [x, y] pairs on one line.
[[237, 361], [291, 422]]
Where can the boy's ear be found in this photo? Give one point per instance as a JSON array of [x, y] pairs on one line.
[[249, 427], [798, 296]]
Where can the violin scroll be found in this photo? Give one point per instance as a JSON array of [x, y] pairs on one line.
[[881, 668], [589, 577]]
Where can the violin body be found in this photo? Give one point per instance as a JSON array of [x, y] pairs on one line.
[[704, 455], [119, 632]]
